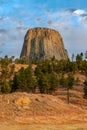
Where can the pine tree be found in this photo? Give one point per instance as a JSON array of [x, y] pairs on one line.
[[85, 89], [24, 80], [68, 83]]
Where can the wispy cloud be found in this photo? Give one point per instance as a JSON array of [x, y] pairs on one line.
[[71, 23], [17, 16], [2, 31], [4, 19], [49, 22], [79, 13], [38, 20], [70, 10]]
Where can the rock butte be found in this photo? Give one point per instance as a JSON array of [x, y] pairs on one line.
[[43, 43]]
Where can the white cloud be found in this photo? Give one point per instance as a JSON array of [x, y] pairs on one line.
[[74, 11], [71, 23], [79, 12], [3, 35], [4, 19], [11, 40], [74, 34]]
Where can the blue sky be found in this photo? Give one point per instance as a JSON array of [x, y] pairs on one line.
[[69, 17]]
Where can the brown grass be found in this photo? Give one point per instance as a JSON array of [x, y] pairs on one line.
[[44, 112]]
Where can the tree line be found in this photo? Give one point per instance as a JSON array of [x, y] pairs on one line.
[[46, 78]]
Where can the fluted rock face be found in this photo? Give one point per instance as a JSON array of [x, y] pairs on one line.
[[43, 43]]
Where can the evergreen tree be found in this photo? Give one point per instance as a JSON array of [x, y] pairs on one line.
[[72, 57], [5, 88], [53, 82], [85, 89], [43, 83], [6, 72], [68, 83], [79, 57], [24, 80]]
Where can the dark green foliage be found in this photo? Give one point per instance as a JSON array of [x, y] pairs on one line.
[[48, 83], [21, 61], [79, 57], [71, 81], [62, 66], [5, 61], [85, 89], [24, 80], [83, 66], [43, 83], [68, 83], [6, 88], [6, 73], [46, 77], [72, 58], [15, 83], [53, 82], [62, 80]]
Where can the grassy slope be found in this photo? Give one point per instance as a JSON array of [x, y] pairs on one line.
[[45, 109]]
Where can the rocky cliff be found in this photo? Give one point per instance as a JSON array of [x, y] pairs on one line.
[[43, 43]]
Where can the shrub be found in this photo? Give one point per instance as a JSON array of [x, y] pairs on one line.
[[85, 89], [6, 88]]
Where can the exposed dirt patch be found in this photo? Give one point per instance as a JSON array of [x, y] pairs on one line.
[[24, 111], [27, 108]]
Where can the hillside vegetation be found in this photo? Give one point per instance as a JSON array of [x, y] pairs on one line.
[[45, 92], [44, 76]]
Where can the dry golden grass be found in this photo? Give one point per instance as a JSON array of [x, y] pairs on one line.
[[44, 112], [44, 109]]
